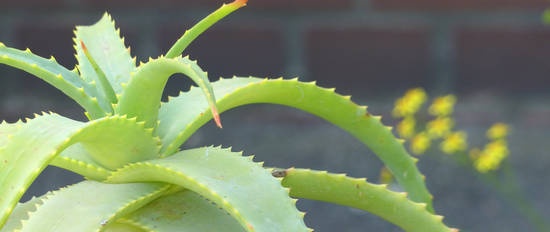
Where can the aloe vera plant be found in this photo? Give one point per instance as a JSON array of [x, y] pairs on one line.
[[138, 179]]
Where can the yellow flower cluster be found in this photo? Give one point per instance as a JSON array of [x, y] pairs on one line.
[[492, 155], [410, 103], [443, 106], [441, 128], [454, 143]]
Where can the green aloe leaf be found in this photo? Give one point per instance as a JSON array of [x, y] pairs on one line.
[[358, 193], [109, 202], [77, 159], [176, 124], [191, 34], [183, 211], [106, 61], [143, 94], [84, 93], [20, 213], [8, 129], [235, 183], [37, 142]]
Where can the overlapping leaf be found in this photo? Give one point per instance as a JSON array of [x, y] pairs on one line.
[[143, 93], [241, 187], [183, 211], [29, 150], [107, 51], [110, 201], [183, 115], [84, 93]]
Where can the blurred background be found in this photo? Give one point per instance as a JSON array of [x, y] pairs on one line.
[[494, 55]]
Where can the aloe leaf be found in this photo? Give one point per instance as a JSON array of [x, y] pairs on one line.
[[20, 213], [85, 94], [358, 193], [7, 129], [124, 227], [77, 159], [176, 124], [235, 183], [67, 210], [22, 163], [191, 34], [182, 211], [143, 94], [106, 52], [31, 148], [115, 141]]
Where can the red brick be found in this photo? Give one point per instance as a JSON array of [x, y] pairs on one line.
[[229, 51], [301, 4], [255, 4], [508, 60], [31, 3], [367, 61], [157, 3], [458, 5]]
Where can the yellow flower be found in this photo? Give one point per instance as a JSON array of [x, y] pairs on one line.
[[420, 143], [491, 156], [497, 131], [409, 103], [405, 128], [455, 142], [439, 127], [442, 106]]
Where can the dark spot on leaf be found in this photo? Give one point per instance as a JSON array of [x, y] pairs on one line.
[[278, 173]]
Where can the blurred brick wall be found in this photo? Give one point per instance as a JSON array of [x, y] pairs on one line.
[[364, 48]]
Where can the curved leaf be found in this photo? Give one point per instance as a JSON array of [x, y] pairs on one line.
[[67, 209], [30, 149], [77, 159], [107, 50], [182, 211], [85, 94], [241, 187], [143, 94], [358, 193], [191, 34], [181, 116]]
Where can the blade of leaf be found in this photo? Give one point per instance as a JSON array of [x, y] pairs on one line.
[[176, 124], [20, 213], [182, 211], [107, 48], [358, 193], [7, 129], [68, 82], [191, 34], [31, 148], [21, 164], [143, 94], [75, 158], [235, 183], [105, 85], [64, 207], [124, 227]]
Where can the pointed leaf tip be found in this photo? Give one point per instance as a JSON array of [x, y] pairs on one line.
[[216, 117], [83, 47], [240, 3]]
